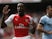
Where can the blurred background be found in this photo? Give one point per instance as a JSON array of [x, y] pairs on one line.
[[36, 8]]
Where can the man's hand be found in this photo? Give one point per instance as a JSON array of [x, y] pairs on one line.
[[6, 10]]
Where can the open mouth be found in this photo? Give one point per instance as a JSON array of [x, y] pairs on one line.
[[20, 11]]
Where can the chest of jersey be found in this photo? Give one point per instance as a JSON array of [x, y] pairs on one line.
[[21, 25], [48, 24], [21, 21]]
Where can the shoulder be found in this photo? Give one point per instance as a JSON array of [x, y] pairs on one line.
[[13, 15], [28, 16], [43, 17]]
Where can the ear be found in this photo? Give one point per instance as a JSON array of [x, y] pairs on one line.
[[46, 10]]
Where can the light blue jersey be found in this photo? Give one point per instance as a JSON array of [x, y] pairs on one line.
[[47, 26]]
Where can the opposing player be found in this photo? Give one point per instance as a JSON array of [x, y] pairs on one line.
[[45, 24], [21, 23]]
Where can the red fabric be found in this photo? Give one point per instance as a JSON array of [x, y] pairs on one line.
[[21, 22]]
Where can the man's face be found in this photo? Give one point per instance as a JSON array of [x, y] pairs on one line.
[[50, 11], [20, 7]]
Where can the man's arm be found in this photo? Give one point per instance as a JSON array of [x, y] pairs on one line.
[[40, 28], [9, 24], [8, 21], [41, 24], [34, 25]]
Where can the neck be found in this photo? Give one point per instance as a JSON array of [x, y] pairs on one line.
[[49, 15], [21, 14]]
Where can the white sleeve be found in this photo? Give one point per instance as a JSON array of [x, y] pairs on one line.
[[9, 20], [31, 20], [43, 20]]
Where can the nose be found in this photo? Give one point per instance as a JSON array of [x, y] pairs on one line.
[[19, 8]]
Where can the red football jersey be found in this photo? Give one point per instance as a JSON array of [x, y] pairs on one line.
[[21, 25]]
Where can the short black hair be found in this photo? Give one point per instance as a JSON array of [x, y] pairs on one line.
[[21, 3], [49, 6]]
